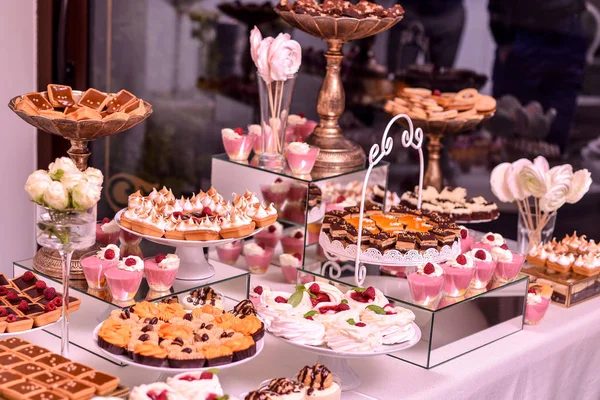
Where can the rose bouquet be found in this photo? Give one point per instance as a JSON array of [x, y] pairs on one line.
[[277, 61], [538, 190]]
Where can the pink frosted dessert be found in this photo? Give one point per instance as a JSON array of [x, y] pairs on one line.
[[301, 157], [303, 131], [257, 258], [293, 242], [485, 265], [256, 130], [489, 241], [161, 271], [289, 266], [124, 280], [538, 301], [508, 264], [96, 265], [426, 284], [269, 236], [107, 232], [230, 252], [466, 240], [298, 192], [237, 145], [255, 294], [276, 192], [459, 273]]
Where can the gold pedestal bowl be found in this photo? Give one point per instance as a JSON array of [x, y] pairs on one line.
[[337, 154]]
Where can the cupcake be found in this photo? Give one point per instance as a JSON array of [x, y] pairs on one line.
[[293, 242], [426, 283], [196, 385], [114, 336], [508, 264], [185, 357], [94, 266], [394, 323], [161, 271], [458, 274], [301, 157], [289, 266], [362, 297], [538, 301], [318, 380], [269, 236], [237, 145], [151, 354], [124, 280], [107, 232], [490, 240], [230, 252], [466, 240], [154, 391], [484, 268], [257, 258], [217, 355]]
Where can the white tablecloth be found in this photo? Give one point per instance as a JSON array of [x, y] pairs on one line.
[[558, 359]]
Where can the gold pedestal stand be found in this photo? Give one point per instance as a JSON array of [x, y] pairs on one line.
[[79, 133], [338, 154]]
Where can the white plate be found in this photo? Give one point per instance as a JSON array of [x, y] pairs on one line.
[[181, 243], [6, 334], [385, 349], [479, 221], [126, 360]]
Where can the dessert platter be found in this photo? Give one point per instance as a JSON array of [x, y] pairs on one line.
[[191, 224], [165, 337], [453, 203]]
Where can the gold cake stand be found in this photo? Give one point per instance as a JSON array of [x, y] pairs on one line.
[[337, 154], [79, 133]]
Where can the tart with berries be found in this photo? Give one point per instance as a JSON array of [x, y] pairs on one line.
[[25, 281]]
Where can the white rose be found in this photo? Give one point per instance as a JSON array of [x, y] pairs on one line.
[[85, 195], [559, 186], [255, 39], [582, 180], [499, 184], [285, 56], [71, 178], [60, 166], [262, 59], [534, 180], [518, 191], [94, 176], [56, 196], [36, 185]]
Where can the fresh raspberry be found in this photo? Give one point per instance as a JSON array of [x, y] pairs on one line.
[[504, 246], [27, 276], [50, 307], [280, 299], [109, 254], [130, 262], [58, 301], [40, 285], [12, 296], [278, 180], [206, 375], [239, 131], [370, 292], [323, 298], [461, 259], [177, 214], [301, 115], [343, 307], [298, 235], [3, 291], [3, 312], [212, 396], [464, 233], [314, 302], [298, 256], [206, 211], [11, 318], [491, 238], [532, 290], [429, 269], [49, 293], [436, 92], [188, 378], [360, 324], [272, 228], [314, 288], [23, 305], [258, 290], [340, 199], [309, 317], [480, 255], [105, 220], [159, 257]]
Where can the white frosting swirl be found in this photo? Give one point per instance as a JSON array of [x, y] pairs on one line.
[[102, 251], [455, 264], [195, 389], [141, 392], [137, 267], [171, 261], [497, 240], [230, 134], [394, 327], [294, 119], [487, 256], [298, 329], [252, 249], [269, 309], [110, 227], [288, 260], [438, 270], [533, 298], [500, 254], [298, 148], [352, 338]]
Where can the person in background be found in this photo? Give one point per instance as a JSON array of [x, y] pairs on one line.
[[540, 55], [433, 27]]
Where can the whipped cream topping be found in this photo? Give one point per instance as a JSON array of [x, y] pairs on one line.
[[171, 261], [137, 267], [141, 392], [230, 245], [254, 129], [102, 251], [453, 263], [279, 187], [269, 309], [462, 227], [298, 329], [288, 260], [502, 255], [497, 240], [487, 257], [352, 338], [252, 249], [295, 231], [299, 148], [539, 252], [533, 298], [110, 227], [278, 229], [437, 273], [196, 389], [294, 120], [230, 134], [264, 288]]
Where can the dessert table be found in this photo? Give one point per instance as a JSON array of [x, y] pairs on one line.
[[556, 359]]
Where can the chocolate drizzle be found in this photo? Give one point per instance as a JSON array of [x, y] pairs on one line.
[[205, 295], [257, 395], [314, 377], [284, 386], [243, 309]]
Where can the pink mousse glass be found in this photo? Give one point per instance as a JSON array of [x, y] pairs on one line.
[[457, 280], [303, 131], [484, 271], [123, 284], [159, 279], [292, 245], [535, 312], [290, 267], [130, 245], [103, 238], [301, 164], [229, 254], [507, 271], [259, 263], [267, 238], [239, 149], [275, 193], [94, 269], [425, 289]]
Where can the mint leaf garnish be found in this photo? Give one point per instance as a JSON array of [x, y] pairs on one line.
[[310, 313], [344, 301], [376, 309], [295, 298], [351, 321], [214, 371], [359, 289]]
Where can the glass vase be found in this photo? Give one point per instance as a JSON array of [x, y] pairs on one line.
[[65, 231], [528, 238], [275, 99]]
